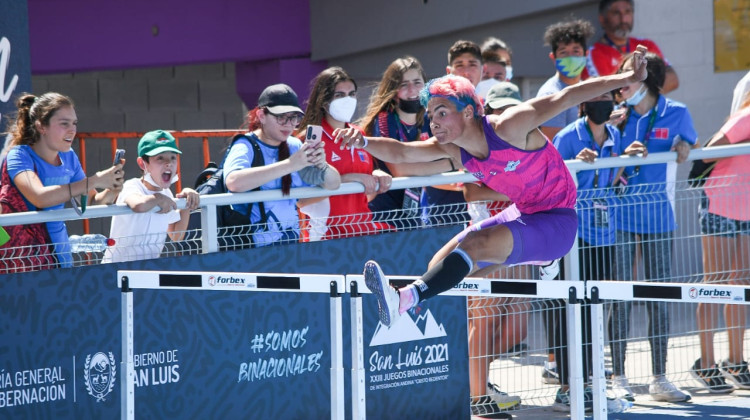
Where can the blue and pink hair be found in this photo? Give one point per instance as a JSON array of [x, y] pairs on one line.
[[456, 89]]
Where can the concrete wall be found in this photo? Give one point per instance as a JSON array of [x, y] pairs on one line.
[[191, 97], [682, 28]]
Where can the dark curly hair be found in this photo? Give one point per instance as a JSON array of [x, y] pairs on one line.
[[573, 31]]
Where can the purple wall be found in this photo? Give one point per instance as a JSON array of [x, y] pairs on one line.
[[84, 35]]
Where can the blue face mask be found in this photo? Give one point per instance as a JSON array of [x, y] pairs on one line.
[[508, 73], [570, 66], [637, 97]]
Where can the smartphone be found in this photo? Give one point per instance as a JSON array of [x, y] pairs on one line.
[[314, 134], [119, 155]]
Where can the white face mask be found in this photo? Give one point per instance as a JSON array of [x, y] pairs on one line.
[[637, 96], [148, 178], [342, 109], [508, 73], [484, 86]]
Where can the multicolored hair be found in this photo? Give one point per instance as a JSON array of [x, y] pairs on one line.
[[456, 89]]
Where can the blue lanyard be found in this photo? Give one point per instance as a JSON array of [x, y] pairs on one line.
[[596, 171], [623, 50], [649, 128]]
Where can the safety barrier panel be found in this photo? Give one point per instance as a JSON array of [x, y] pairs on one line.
[[239, 282], [424, 353], [599, 291]]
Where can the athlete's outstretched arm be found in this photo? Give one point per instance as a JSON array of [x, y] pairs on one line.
[[390, 150], [532, 113]]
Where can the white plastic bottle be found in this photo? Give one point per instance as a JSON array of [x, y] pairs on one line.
[[92, 242]]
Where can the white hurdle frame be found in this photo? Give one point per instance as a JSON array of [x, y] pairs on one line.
[[186, 280], [572, 291], [643, 291]]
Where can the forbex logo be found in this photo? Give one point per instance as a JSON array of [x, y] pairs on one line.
[[226, 281], [466, 286], [695, 293]]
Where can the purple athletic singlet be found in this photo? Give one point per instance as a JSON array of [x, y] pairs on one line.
[[543, 220]]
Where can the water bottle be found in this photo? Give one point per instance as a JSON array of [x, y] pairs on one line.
[[92, 242]]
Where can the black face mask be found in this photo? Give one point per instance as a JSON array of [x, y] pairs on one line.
[[598, 111], [410, 107]]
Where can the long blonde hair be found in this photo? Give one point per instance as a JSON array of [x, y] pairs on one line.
[[384, 97]]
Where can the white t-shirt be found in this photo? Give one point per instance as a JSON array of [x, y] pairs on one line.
[[138, 236]]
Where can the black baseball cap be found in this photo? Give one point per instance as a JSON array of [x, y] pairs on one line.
[[279, 99]]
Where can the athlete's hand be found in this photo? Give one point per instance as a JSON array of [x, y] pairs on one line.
[[349, 138], [639, 64]]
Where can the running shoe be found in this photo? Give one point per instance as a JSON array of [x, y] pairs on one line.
[[663, 390], [502, 399], [550, 375], [737, 374], [388, 299], [621, 388], [549, 271], [487, 409], [710, 378], [562, 401]]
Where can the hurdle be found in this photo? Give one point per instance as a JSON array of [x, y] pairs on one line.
[[127, 281], [598, 291], [572, 291]]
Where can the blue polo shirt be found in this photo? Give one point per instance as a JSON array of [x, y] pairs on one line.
[[648, 202], [593, 196]]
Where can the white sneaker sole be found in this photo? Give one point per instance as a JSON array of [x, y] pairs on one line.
[[705, 386], [378, 285], [730, 379]]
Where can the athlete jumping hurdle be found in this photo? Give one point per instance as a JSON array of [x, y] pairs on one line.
[[509, 154]]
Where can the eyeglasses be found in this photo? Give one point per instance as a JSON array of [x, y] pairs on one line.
[[290, 117]]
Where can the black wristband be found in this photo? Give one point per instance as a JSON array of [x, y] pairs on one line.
[[453, 168]]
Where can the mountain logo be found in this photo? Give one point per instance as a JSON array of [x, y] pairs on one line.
[[408, 329]]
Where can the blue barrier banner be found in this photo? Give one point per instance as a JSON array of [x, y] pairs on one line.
[[219, 354], [420, 365], [204, 354], [15, 59]]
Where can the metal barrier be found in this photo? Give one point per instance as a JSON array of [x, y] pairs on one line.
[[209, 203], [251, 282]]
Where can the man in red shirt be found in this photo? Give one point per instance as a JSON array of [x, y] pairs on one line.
[[616, 19]]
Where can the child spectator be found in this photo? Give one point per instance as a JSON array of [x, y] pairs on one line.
[[141, 235]]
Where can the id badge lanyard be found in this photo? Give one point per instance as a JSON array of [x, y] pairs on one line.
[[596, 171], [600, 206], [649, 128]]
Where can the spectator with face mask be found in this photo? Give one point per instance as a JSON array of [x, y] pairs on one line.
[[503, 51], [331, 105], [568, 43], [395, 112], [586, 139], [653, 123]]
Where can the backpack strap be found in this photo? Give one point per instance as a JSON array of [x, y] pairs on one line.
[[257, 162]]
